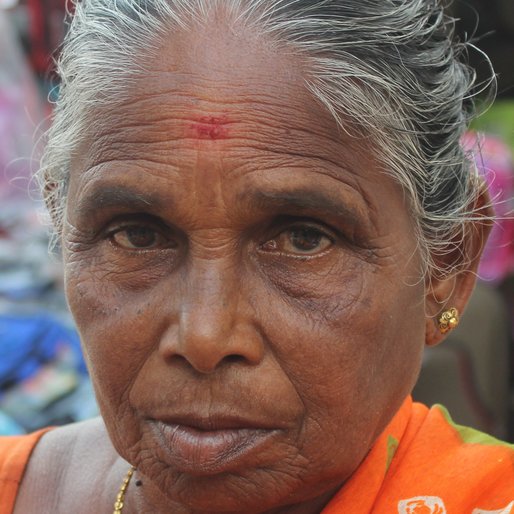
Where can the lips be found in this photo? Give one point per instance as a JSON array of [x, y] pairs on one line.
[[210, 445]]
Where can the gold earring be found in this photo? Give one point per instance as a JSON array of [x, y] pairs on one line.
[[448, 320]]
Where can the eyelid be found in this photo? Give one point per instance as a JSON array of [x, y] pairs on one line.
[[322, 228], [125, 221], [121, 223], [298, 223], [301, 224]]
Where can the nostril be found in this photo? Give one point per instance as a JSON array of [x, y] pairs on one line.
[[177, 359], [235, 359], [206, 366]]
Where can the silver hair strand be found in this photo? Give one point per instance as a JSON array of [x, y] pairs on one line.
[[388, 70]]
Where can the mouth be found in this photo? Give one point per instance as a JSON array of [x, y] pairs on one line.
[[207, 446]]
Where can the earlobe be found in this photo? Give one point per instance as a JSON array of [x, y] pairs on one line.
[[440, 300], [446, 322], [445, 302]]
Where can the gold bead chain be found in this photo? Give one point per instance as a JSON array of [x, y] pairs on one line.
[[120, 497]]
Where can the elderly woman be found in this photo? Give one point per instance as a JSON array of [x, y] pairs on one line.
[[265, 214]]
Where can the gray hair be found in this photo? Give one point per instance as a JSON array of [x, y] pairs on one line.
[[386, 69]]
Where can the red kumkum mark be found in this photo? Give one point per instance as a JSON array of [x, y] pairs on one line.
[[211, 127]]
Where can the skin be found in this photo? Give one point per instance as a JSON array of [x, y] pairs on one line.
[[230, 253]]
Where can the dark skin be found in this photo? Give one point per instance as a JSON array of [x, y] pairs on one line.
[[239, 270]]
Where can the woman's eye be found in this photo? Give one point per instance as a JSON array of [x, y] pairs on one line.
[[299, 241], [138, 238]]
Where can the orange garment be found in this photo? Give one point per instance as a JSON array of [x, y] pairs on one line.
[[14, 454], [421, 464]]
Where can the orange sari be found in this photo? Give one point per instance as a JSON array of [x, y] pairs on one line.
[[14, 454], [421, 464]]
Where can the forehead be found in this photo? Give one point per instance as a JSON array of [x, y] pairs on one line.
[[218, 99], [211, 84]]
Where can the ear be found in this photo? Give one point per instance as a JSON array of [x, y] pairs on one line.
[[50, 196], [454, 289]]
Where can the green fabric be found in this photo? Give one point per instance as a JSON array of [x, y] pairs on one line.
[[392, 446], [471, 435]]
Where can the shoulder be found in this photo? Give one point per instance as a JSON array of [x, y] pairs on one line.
[[63, 443], [15, 452], [465, 470], [67, 465], [440, 432]]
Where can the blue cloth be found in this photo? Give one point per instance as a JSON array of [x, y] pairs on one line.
[[28, 342], [8, 426]]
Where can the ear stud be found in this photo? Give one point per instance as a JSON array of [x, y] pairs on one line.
[[448, 320]]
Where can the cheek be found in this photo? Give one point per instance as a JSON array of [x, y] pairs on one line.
[[116, 331], [353, 352]]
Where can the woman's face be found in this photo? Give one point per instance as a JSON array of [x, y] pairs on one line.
[[245, 280]]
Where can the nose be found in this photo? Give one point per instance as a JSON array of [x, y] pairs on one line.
[[215, 325]]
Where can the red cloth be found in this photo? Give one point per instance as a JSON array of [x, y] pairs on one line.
[[46, 24]]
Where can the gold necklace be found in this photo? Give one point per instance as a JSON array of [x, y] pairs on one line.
[[120, 497]]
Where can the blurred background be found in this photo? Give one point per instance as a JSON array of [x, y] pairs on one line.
[[43, 379]]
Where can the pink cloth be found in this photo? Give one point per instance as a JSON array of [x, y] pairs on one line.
[[494, 161]]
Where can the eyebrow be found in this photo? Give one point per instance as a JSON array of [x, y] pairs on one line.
[[116, 197], [302, 200], [298, 201]]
